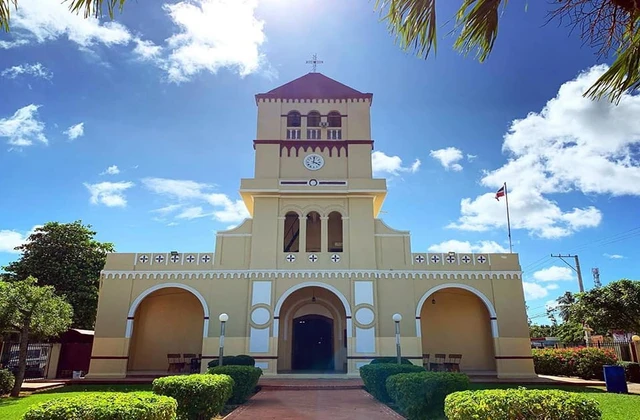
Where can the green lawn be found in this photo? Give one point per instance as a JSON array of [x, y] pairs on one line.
[[14, 408]]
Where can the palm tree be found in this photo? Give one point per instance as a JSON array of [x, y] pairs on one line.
[[564, 305], [605, 24]]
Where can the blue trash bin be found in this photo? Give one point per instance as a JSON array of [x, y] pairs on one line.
[[614, 379]]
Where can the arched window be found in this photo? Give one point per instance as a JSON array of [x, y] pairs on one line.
[[293, 119], [334, 231], [313, 232], [334, 119], [291, 232], [313, 119]]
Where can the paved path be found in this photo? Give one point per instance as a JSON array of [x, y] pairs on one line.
[[350, 404]]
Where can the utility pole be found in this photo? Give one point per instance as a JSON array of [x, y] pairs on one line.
[[586, 328]]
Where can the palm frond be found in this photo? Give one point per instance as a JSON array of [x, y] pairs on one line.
[[412, 22], [479, 22], [5, 13]]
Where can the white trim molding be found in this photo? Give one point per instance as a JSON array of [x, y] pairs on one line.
[[134, 306]]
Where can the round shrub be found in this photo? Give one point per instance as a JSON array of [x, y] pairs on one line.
[[585, 362], [199, 396], [520, 404], [240, 360], [245, 380], [631, 371], [6, 381], [106, 406], [403, 360], [421, 395], [375, 377]]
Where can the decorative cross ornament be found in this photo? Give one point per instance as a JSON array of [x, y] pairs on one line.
[[451, 259], [190, 258], [159, 258], [143, 258], [205, 258], [175, 258], [314, 62], [419, 259], [435, 258], [290, 258], [313, 258], [482, 259], [466, 259], [335, 258]]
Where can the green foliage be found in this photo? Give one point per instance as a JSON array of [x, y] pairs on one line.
[[520, 404], [245, 380], [67, 257], [375, 377], [239, 360], [585, 362], [540, 331], [403, 360], [199, 396], [631, 371], [421, 395], [6, 381], [106, 406]]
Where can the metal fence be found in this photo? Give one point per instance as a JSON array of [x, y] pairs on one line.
[[38, 355], [622, 348]]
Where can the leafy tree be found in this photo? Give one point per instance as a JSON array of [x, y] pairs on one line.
[[608, 25], [67, 257], [31, 310], [615, 306], [537, 331], [570, 332], [565, 302]]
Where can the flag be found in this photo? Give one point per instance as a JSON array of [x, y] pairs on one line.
[[500, 193]]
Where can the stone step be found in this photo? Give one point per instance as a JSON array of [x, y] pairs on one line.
[[306, 384]]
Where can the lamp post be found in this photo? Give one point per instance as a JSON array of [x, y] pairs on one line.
[[223, 319], [635, 341], [397, 318]]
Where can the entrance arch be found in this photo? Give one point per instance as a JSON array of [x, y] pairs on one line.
[[314, 323], [164, 319], [456, 318]]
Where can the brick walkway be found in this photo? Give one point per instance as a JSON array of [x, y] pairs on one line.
[[349, 404]]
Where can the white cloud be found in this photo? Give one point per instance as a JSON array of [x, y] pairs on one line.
[[111, 194], [111, 170], [614, 256], [10, 239], [146, 50], [35, 70], [551, 304], [467, 247], [554, 273], [392, 165], [471, 158], [573, 144], [5, 45], [552, 286], [533, 291], [213, 34], [448, 158], [75, 131], [193, 194], [23, 128]]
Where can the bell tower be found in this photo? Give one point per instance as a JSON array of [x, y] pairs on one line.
[[313, 197]]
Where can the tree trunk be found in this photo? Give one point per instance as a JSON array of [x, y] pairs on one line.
[[22, 358]]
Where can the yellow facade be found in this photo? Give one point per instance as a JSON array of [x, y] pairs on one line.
[[314, 263]]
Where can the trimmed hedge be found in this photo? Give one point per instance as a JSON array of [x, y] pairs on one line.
[[6, 381], [421, 395], [199, 396], [520, 404], [391, 360], [375, 377], [239, 360], [245, 380], [585, 362], [631, 371], [106, 406]]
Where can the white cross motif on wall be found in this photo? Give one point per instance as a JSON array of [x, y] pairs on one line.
[[175, 258], [335, 258], [435, 258], [290, 258], [482, 259], [419, 259], [313, 258], [144, 259], [159, 258], [206, 258], [451, 259], [466, 259], [190, 258]]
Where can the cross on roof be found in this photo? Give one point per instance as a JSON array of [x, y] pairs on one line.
[[314, 62]]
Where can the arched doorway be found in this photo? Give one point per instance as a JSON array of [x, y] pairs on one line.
[[312, 332], [457, 320], [165, 321]]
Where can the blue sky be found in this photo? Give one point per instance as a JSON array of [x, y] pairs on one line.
[[128, 125]]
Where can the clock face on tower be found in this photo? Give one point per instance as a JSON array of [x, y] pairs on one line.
[[313, 162]]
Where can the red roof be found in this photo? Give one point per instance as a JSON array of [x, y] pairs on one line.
[[314, 86]]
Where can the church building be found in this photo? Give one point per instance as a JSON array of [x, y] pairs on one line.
[[310, 282]]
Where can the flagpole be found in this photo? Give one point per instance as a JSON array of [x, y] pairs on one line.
[[506, 197]]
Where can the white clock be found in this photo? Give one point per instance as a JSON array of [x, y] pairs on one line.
[[313, 162]]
